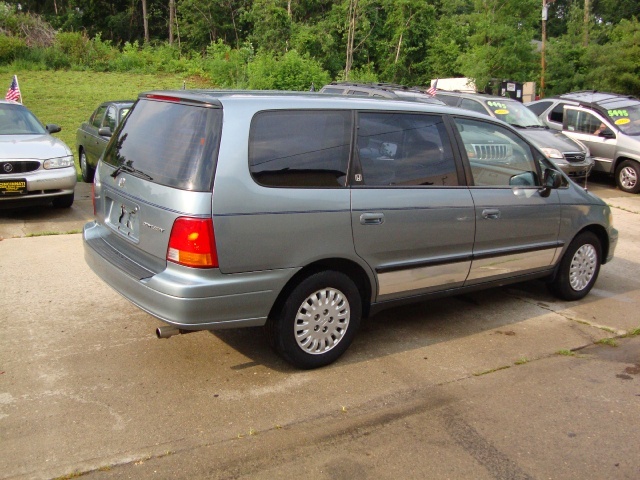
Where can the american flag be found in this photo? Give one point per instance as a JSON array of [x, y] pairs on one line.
[[14, 90], [432, 89]]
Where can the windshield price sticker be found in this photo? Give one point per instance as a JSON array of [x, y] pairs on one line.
[[501, 111], [13, 186], [617, 113], [497, 105], [622, 121]]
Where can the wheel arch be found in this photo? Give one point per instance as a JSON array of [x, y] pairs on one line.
[[348, 267], [600, 232], [623, 158]]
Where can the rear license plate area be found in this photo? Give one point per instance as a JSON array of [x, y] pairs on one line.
[[123, 216]]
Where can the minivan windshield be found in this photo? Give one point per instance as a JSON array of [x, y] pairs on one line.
[[514, 113], [626, 118], [173, 144]]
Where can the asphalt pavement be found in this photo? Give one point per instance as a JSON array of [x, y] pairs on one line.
[[508, 383]]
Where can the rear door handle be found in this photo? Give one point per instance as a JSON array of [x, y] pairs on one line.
[[491, 213], [372, 218]]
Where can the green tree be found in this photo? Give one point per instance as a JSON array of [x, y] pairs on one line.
[[567, 64], [615, 65], [291, 71], [202, 22], [500, 41], [271, 26], [405, 39]]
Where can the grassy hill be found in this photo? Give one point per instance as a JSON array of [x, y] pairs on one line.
[[68, 98]]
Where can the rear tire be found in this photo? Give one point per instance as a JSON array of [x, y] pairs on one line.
[[628, 176], [87, 171], [63, 201], [318, 320], [579, 268]]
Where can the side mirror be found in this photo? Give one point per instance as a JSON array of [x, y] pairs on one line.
[[105, 131], [552, 180], [608, 134], [53, 128]]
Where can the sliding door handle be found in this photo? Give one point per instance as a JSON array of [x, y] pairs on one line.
[[372, 218]]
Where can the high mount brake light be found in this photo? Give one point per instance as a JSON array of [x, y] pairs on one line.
[[192, 243], [165, 98]]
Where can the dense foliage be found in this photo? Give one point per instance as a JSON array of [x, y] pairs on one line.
[[290, 44]]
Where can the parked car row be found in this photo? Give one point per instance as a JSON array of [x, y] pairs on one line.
[[94, 134], [573, 157], [34, 165], [607, 123]]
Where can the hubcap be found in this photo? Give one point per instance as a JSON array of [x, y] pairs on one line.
[[83, 163], [322, 320], [583, 267], [628, 178]]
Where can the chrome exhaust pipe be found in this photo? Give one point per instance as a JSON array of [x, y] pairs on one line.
[[169, 331]]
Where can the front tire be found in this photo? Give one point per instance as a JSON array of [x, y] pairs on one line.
[[628, 176], [87, 172], [579, 268], [318, 320]]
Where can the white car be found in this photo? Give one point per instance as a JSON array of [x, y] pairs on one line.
[[34, 165]]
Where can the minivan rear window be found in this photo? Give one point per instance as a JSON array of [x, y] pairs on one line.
[[174, 144], [301, 148]]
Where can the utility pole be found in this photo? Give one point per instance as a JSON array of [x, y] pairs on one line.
[[543, 63], [145, 21], [172, 16], [587, 11], [351, 33]]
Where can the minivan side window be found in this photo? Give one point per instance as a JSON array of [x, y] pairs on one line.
[[301, 148], [404, 149], [497, 156]]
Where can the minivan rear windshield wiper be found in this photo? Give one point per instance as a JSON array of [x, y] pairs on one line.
[[131, 170]]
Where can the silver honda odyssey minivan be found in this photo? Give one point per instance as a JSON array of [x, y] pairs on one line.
[[304, 213]]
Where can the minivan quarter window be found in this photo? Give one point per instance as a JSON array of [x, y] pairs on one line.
[[300, 148]]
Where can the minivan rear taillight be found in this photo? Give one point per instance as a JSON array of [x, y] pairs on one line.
[[192, 243]]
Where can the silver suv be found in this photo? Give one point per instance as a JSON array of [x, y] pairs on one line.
[[608, 123], [571, 156], [306, 212]]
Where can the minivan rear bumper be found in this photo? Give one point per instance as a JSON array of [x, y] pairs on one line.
[[176, 296]]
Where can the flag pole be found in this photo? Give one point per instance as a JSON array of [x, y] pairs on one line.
[[18, 85]]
